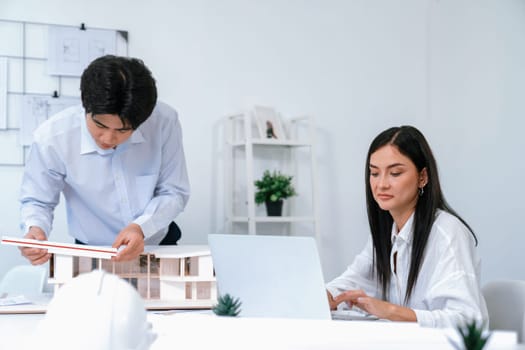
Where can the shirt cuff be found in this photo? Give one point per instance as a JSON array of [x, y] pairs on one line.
[[147, 226], [424, 318], [28, 224]]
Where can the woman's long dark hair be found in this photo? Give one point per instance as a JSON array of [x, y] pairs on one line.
[[411, 143]]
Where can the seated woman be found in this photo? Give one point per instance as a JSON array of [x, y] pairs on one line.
[[420, 263]]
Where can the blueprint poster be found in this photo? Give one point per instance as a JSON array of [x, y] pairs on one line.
[[72, 49]]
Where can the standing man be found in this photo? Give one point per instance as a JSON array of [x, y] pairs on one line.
[[118, 160]]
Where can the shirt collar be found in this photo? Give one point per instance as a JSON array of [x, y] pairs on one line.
[[88, 145], [407, 232]]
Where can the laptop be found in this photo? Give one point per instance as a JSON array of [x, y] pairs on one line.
[[273, 276]]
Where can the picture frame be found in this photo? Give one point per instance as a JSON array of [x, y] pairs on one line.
[[269, 123]]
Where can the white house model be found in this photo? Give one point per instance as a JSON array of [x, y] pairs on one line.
[[165, 276]]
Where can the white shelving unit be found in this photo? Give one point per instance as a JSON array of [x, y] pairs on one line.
[[248, 155]]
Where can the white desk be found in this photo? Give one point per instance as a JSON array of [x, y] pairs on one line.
[[203, 331]]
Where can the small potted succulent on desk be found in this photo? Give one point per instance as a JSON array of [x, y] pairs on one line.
[[473, 336], [272, 189]]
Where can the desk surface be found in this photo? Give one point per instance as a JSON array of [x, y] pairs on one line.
[[192, 330], [39, 305]]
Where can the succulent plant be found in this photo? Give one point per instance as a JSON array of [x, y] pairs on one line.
[[227, 306], [473, 336]]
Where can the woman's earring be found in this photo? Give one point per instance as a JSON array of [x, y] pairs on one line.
[[421, 191]]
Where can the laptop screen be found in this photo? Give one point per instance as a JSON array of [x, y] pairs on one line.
[[273, 276]]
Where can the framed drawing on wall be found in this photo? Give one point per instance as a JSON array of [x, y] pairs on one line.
[[269, 123]]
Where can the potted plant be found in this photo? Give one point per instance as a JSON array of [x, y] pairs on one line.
[[472, 336], [272, 188]]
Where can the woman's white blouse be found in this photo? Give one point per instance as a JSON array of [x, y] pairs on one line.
[[447, 291]]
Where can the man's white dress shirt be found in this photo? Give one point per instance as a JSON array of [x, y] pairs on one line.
[[143, 180], [447, 291]]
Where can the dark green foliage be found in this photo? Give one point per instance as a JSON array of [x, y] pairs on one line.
[[472, 336], [227, 306], [273, 187]]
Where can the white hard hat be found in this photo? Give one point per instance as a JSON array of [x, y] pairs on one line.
[[96, 310]]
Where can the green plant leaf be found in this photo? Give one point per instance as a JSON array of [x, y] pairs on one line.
[[227, 306], [472, 336], [273, 186]]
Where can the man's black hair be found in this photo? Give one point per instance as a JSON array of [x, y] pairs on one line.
[[119, 85]]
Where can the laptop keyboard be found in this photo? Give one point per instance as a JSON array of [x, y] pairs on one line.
[[352, 315]]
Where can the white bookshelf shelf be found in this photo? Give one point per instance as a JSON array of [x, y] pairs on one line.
[[265, 142], [263, 219], [247, 151]]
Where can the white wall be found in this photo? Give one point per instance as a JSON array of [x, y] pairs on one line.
[[452, 68], [476, 84]]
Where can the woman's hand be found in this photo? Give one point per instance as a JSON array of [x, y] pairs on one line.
[[331, 301], [349, 297], [376, 307]]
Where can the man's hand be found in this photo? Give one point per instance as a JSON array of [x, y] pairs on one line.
[[36, 256], [133, 238]]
